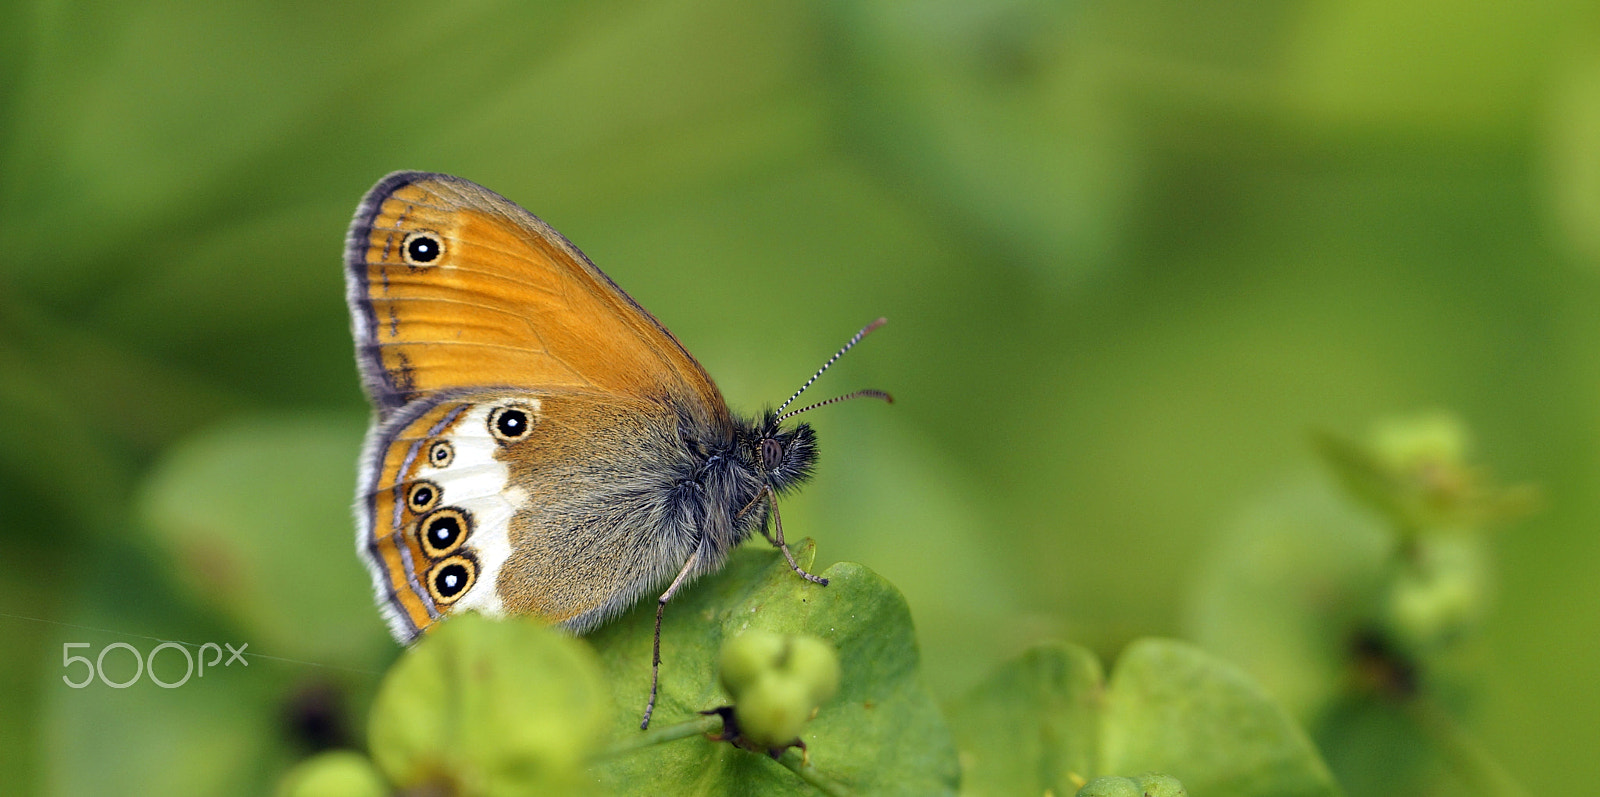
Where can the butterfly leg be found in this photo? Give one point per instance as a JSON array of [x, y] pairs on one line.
[[761, 496], [777, 524], [655, 656]]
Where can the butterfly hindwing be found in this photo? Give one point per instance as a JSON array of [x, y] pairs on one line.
[[427, 496], [562, 504]]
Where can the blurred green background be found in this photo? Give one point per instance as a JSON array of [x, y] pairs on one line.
[[1132, 254]]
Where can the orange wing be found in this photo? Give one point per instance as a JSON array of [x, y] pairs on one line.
[[454, 286]]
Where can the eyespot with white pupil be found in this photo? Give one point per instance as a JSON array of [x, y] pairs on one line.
[[451, 578], [440, 454], [509, 424], [443, 531], [422, 248], [422, 496]]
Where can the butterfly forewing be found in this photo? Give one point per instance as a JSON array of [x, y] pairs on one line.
[[453, 286]]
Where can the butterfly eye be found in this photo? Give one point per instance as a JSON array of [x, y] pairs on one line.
[[440, 454], [771, 453], [509, 424], [452, 577], [442, 531], [422, 248], [423, 496]]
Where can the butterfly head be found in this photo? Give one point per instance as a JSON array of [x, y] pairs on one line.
[[783, 457]]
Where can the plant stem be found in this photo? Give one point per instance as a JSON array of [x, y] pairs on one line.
[[1474, 764], [795, 763], [791, 760], [671, 733]]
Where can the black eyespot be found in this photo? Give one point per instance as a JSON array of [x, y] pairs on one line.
[[440, 454], [422, 496], [422, 248], [442, 532], [509, 423], [449, 579]]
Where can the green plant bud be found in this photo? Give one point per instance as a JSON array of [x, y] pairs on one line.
[[339, 773], [747, 657], [1442, 596], [489, 707], [754, 655], [813, 662], [1158, 785], [1150, 785], [1433, 440], [772, 711], [1111, 787]]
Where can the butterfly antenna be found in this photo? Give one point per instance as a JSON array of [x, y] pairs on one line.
[[877, 394], [831, 360]]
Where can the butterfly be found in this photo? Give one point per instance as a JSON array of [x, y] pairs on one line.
[[540, 444]]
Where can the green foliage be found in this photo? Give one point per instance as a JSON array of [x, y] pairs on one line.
[[1152, 785], [749, 656], [881, 734], [482, 708], [1130, 252], [240, 534], [1174, 709], [991, 106], [1362, 610], [777, 683], [1414, 471], [255, 510], [500, 708], [1048, 721], [1033, 725], [340, 773]]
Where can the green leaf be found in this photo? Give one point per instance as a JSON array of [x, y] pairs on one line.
[[882, 733], [1288, 588], [216, 734], [1047, 722], [1033, 725], [486, 707], [228, 722], [997, 112], [254, 515], [1172, 708], [1415, 471], [1152, 785], [1355, 631], [338, 773]]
